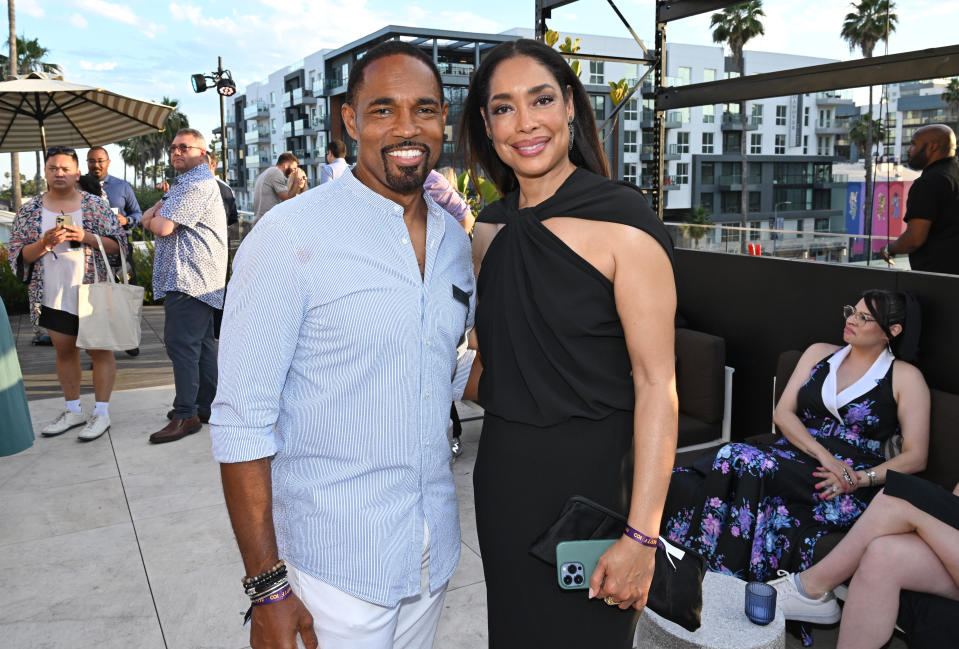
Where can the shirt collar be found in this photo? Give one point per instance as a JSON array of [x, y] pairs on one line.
[[378, 201], [198, 172]]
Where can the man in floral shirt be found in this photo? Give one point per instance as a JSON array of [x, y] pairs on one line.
[[189, 270]]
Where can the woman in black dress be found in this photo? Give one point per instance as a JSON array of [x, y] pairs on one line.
[[908, 539], [575, 329]]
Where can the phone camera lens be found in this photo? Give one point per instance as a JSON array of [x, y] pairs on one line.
[[578, 579], [572, 568], [569, 580]]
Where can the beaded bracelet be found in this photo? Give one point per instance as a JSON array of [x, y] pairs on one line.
[[265, 583], [263, 576], [641, 538]]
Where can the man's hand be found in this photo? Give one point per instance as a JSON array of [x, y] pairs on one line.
[[886, 256], [275, 626], [122, 219], [164, 187]]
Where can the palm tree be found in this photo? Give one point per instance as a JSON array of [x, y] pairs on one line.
[[735, 26], [951, 96], [158, 143], [870, 22], [859, 132], [30, 58], [15, 193]]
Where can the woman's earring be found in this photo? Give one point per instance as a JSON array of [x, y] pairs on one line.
[[571, 135]]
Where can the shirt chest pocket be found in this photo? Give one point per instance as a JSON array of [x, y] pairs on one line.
[[451, 309]]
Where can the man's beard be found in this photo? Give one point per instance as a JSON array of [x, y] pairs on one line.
[[409, 178], [917, 162]]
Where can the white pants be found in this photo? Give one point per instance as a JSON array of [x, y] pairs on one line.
[[342, 621]]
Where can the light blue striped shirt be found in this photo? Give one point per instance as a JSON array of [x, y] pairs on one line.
[[339, 361]]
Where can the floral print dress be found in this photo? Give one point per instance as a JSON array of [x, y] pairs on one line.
[[755, 509]]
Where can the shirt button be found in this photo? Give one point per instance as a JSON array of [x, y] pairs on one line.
[[427, 343], [405, 240], [427, 395]]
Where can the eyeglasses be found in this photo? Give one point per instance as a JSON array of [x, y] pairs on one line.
[[60, 150], [97, 160], [861, 318], [182, 148]]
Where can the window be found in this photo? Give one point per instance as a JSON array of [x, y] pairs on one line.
[[272, 125], [780, 144], [599, 106], [274, 151], [708, 173], [757, 114], [800, 225], [731, 203], [630, 111], [755, 229], [780, 115], [732, 142], [272, 99], [596, 72], [707, 143], [685, 74], [682, 173], [805, 144], [629, 172], [709, 74], [805, 116], [706, 201], [682, 142], [755, 143], [629, 141], [821, 225], [709, 114], [631, 73]]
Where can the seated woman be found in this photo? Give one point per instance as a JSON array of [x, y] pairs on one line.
[[756, 509], [908, 539]]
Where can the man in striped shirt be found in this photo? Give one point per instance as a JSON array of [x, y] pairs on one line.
[[338, 365]]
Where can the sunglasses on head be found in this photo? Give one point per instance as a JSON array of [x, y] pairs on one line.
[[60, 150]]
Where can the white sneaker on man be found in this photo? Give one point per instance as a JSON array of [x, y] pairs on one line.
[[67, 420], [796, 606], [97, 425]]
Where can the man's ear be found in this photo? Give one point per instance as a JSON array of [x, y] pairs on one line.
[[348, 114]]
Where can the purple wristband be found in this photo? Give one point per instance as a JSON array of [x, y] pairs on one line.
[[275, 597], [641, 538]]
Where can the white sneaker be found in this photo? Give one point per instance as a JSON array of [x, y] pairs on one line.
[[67, 420], [796, 606], [94, 428]]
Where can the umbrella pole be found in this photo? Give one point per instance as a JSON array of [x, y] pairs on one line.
[[43, 138]]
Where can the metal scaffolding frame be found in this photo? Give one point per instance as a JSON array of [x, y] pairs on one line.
[[908, 66]]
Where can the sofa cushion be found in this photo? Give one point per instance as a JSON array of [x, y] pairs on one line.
[[695, 431], [700, 375], [942, 467]]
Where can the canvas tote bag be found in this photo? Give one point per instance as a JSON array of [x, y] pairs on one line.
[[109, 312]]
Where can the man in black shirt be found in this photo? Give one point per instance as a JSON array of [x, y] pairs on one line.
[[932, 210]]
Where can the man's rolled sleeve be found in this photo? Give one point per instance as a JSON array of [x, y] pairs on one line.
[[261, 323], [464, 362]]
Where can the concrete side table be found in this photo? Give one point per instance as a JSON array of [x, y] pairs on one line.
[[724, 623]]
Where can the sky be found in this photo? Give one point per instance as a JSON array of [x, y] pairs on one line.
[[148, 48]]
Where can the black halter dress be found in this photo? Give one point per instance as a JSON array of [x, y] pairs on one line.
[[558, 396]]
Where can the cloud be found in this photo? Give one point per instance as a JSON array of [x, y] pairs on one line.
[[98, 67], [121, 13], [30, 7], [78, 21]]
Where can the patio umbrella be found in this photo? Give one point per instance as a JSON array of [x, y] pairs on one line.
[[37, 108]]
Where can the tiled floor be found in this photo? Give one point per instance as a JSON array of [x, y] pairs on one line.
[[120, 544]]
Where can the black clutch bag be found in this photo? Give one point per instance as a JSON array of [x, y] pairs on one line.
[[676, 592]]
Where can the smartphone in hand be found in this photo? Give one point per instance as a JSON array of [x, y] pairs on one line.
[[576, 561]]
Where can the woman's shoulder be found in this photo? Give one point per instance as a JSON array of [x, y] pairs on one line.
[[817, 353], [906, 371]]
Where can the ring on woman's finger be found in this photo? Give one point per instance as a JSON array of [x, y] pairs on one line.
[[834, 488], [609, 600]]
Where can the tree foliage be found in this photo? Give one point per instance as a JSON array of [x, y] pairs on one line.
[[951, 96]]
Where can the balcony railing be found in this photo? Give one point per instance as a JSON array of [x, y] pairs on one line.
[[256, 110], [733, 120], [456, 69], [257, 134]]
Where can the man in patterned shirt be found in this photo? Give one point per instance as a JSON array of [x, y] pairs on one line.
[[189, 270]]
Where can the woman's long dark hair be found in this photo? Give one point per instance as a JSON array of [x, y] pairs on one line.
[[477, 149], [895, 307]]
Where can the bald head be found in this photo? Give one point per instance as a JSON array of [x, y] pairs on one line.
[[930, 144]]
